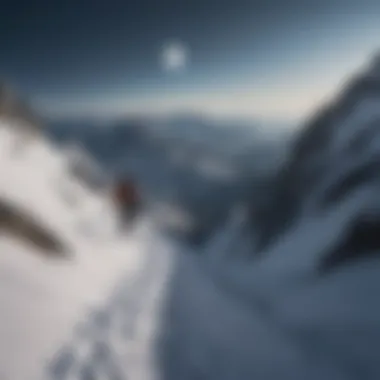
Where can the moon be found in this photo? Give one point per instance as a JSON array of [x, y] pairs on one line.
[[174, 56]]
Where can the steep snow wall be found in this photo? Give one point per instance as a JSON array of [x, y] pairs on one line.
[[42, 300], [304, 303]]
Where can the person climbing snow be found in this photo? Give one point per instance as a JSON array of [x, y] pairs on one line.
[[127, 200]]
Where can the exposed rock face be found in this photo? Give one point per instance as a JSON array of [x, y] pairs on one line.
[[15, 108], [20, 224]]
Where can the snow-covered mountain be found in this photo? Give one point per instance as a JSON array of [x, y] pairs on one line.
[[193, 134], [197, 165], [16, 108], [289, 289], [286, 288], [46, 292], [324, 164]]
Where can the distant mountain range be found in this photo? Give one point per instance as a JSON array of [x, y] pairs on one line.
[[192, 134], [198, 164]]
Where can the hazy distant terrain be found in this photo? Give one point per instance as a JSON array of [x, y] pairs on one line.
[[198, 165]]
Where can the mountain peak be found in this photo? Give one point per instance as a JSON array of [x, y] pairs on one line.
[[14, 107], [328, 141], [374, 69]]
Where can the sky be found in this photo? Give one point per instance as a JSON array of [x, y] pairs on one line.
[[273, 58]]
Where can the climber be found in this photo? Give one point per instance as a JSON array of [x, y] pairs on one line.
[[127, 201]]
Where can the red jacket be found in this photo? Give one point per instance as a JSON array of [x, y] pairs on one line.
[[125, 194]]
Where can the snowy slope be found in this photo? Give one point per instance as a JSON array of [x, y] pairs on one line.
[[43, 300], [228, 312], [306, 307], [338, 142]]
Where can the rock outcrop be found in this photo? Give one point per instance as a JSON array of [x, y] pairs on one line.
[[21, 225]]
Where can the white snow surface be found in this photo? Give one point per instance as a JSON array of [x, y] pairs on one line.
[[276, 318], [42, 301]]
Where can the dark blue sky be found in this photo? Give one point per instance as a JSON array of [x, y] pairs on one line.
[[78, 57]]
